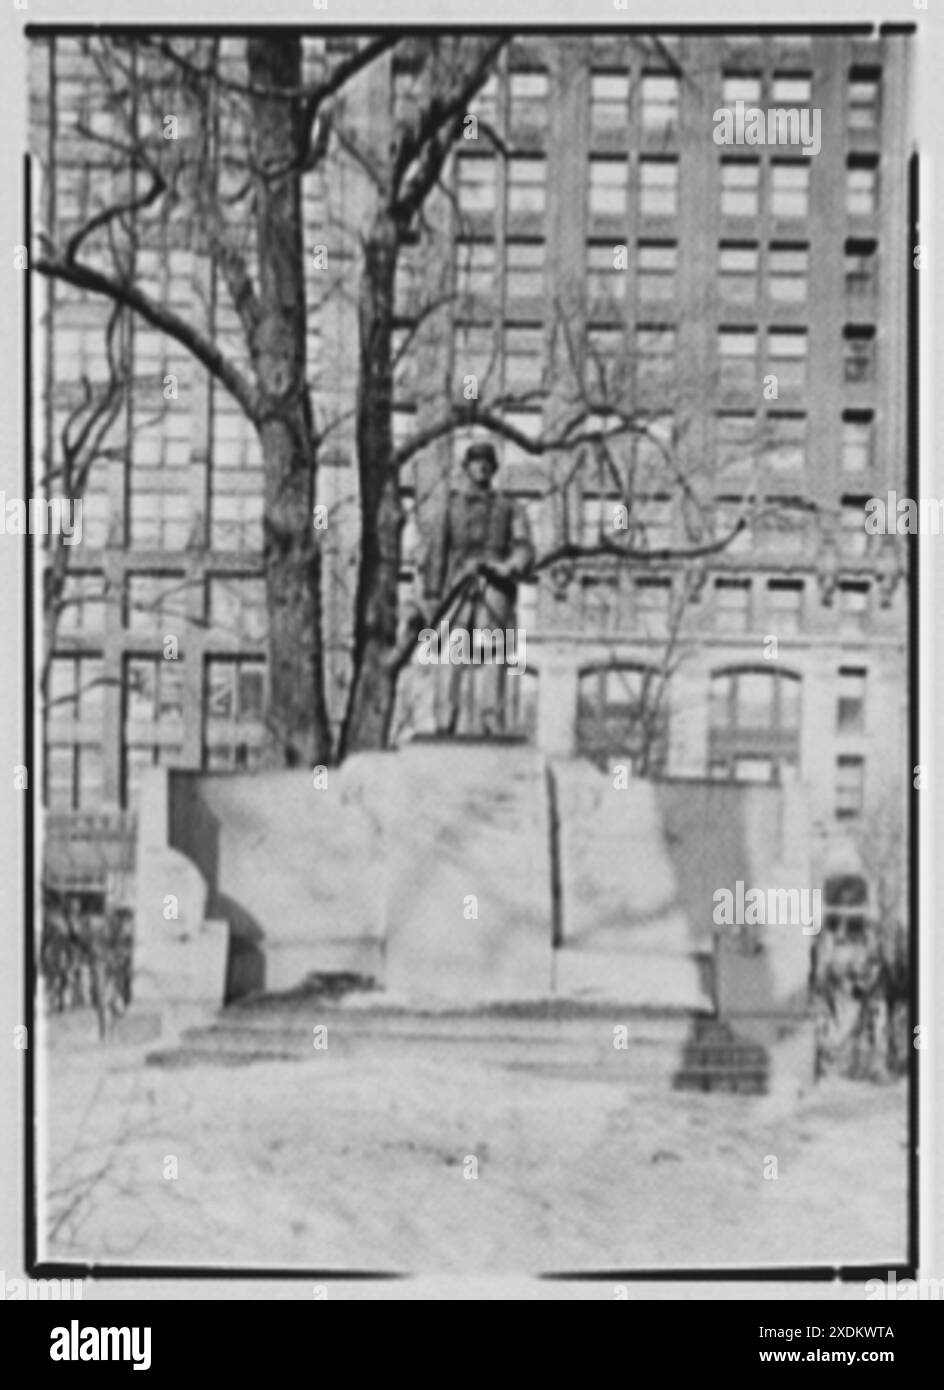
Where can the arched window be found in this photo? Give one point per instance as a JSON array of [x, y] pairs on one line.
[[622, 717], [754, 724]]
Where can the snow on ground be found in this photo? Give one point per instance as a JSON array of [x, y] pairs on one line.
[[357, 1158]]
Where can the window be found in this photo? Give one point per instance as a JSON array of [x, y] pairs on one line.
[[606, 361], [737, 350], [789, 188], [655, 354], [864, 86], [656, 441], [660, 103], [161, 517], [754, 724], [234, 710], [236, 444], [475, 268], [785, 606], [794, 45], [485, 104], [406, 94], [475, 184], [527, 423], [75, 718], [475, 351], [861, 258], [854, 534], [740, 187], [524, 269], [83, 603], [409, 278], [856, 441], [74, 779], [732, 523], [732, 606], [738, 267], [59, 791], [754, 770], [155, 602], [237, 607], [597, 520], [853, 608], [609, 102], [608, 441], [654, 515], [609, 180], [850, 709], [735, 431], [861, 185], [75, 693], [96, 509], [789, 268], [740, 87], [653, 599], [786, 442], [403, 363], [858, 352], [850, 787], [792, 89], [528, 92], [657, 264], [526, 186], [604, 282], [621, 719], [403, 421], [786, 351], [236, 520], [598, 600], [524, 360], [153, 719], [658, 187]]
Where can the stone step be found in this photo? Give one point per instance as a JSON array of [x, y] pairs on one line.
[[643, 1046], [715, 1058]]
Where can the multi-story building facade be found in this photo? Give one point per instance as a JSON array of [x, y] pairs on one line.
[[746, 304]]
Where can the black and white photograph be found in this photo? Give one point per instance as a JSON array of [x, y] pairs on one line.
[[473, 513]]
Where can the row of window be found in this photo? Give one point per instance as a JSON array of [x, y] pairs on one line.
[[162, 518], [529, 93], [743, 181], [605, 607], [754, 726], [234, 605], [779, 439], [152, 722], [785, 266], [744, 706]]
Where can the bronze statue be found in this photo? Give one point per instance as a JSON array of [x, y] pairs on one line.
[[479, 551]]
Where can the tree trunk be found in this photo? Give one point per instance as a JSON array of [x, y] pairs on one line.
[[373, 686], [297, 716]]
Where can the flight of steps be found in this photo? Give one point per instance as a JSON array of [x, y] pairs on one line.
[[559, 1036], [717, 1059]]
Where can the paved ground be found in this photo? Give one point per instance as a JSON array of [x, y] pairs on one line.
[[360, 1157]]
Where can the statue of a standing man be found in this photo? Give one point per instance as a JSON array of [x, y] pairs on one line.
[[481, 549]]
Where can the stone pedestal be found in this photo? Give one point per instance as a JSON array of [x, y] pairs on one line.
[[468, 894], [179, 955], [626, 935]]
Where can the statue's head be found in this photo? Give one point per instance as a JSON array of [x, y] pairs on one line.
[[480, 462]]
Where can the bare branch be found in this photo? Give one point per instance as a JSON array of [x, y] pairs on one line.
[[84, 277]]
